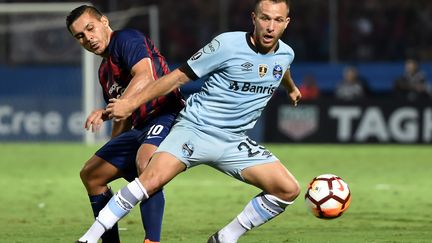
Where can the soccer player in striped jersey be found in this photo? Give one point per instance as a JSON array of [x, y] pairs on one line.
[[130, 61], [243, 69]]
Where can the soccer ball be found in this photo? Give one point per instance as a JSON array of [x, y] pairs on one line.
[[328, 196]]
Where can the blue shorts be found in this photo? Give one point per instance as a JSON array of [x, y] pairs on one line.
[[227, 152], [121, 151]]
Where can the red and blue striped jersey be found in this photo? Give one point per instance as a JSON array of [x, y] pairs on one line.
[[126, 48]]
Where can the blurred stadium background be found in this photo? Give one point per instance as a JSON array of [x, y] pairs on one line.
[[42, 99], [42, 77]]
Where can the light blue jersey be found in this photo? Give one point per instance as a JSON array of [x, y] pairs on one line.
[[211, 129], [240, 82]]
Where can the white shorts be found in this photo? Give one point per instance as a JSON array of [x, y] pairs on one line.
[[227, 152]]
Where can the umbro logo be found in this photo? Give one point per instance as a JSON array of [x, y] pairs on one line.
[[247, 66]]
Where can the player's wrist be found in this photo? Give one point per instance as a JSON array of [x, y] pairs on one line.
[[133, 104], [105, 115], [292, 88]]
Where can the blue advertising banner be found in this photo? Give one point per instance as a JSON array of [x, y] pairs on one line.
[[48, 119]]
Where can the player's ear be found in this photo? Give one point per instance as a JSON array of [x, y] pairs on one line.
[[287, 21], [253, 16], [105, 21]]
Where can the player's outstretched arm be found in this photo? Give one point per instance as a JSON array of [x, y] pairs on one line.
[[292, 90], [123, 107]]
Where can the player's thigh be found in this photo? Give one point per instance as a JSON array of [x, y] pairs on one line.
[[273, 178], [97, 167], [145, 152], [152, 135], [121, 152], [162, 168], [190, 145]]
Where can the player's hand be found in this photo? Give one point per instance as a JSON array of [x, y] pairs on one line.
[[95, 120], [294, 96], [119, 109]]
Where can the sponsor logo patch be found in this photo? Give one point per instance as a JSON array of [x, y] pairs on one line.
[[262, 70], [211, 47], [116, 89], [196, 56], [234, 86], [251, 88]]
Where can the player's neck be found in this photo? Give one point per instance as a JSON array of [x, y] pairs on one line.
[[105, 54], [260, 48]]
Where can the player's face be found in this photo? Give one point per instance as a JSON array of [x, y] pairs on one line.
[[270, 20], [92, 33]]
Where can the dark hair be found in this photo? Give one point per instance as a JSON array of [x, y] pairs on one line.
[[77, 12], [257, 2]]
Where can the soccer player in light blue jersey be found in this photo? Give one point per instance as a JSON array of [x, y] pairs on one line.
[[244, 71]]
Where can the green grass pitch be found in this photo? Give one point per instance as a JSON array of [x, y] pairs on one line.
[[42, 199]]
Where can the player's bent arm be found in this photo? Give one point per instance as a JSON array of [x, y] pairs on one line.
[[292, 90], [142, 73], [162, 86], [288, 82], [122, 108]]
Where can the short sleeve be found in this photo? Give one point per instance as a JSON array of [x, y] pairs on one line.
[[211, 57], [129, 48]]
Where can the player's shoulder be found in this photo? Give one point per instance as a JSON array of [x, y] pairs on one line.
[[231, 37], [285, 48], [230, 40], [126, 34]]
